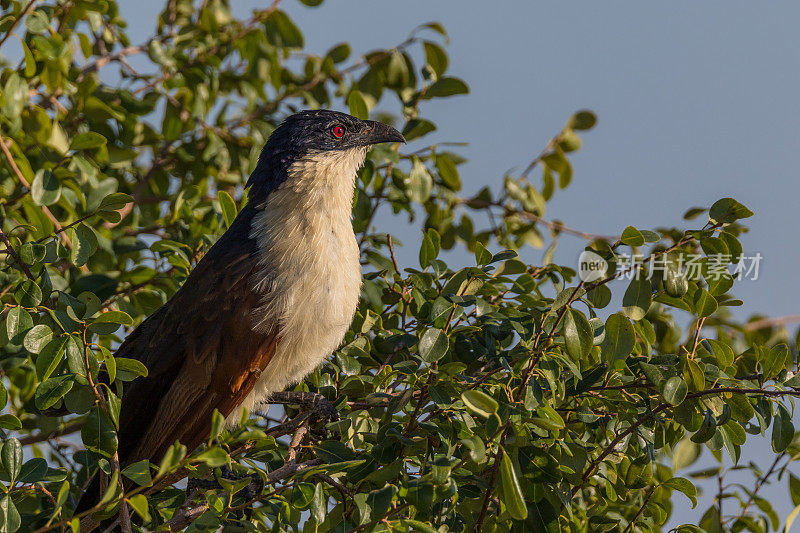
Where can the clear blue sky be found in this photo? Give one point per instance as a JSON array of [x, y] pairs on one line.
[[696, 101]]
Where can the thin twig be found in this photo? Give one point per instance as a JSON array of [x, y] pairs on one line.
[[17, 21], [771, 322], [700, 323], [760, 483], [23, 181], [639, 512], [10, 249], [391, 253], [492, 480]]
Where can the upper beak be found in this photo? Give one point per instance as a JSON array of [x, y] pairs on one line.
[[378, 132]]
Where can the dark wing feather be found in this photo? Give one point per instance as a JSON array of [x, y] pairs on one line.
[[200, 350]]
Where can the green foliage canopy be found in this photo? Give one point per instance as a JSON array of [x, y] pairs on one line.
[[498, 396]]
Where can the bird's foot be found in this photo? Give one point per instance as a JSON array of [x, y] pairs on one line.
[[315, 402]]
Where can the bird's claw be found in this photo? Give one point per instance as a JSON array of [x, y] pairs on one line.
[[319, 406], [249, 492]]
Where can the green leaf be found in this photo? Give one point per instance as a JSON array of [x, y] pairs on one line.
[[685, 486], [674, 390], [479, 403], [37, 338], [429, 249], [111, 489], [415, 525], [436, 57], [774, 360], [722, 351], [114, 201], [214, 457], [171, 459], [782, 430], [11, 456], [637, 298], [419, 183], [447, 86], [727, 210], [510, 489], [50, 356], [139, 504], [741, 408], [582, 120], [128, 369], [358, 106], [632, 237], [578, 334], [87, 140], [433, 345], [791, 518], [339, 53], [50, 391], [10, 514], [228, 207], [318, 504], [30, 61], [18, 322], [334, 452], [29, 294], [619, 340], [109, 322], [45, 189], [37, 22], [417, 128], [685, 454], [98, 433], [138, 472], [81, 247], [482, 255], [448, 172], [33, 471], [704, 304], [707, 428], [282, 32]]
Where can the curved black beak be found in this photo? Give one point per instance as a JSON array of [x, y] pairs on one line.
[[378, 132]]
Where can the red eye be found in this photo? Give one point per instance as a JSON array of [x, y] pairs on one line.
[[337, 131]]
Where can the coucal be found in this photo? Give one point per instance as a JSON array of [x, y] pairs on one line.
[[268, 302]]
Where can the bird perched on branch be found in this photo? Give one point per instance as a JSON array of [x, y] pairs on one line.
[[268, 302]]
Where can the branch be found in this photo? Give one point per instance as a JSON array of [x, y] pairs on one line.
[[558, 226], [760, 483], [184, 518], [23, 181], [639, 512], [10, 249], [17, 21], [492, 479], [771, 322], [664, 406], [106, 59], [66, 429]]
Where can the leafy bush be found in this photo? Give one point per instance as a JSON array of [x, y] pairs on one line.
[[492, 397]]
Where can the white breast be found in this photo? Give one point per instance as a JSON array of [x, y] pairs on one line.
[[310, 261]]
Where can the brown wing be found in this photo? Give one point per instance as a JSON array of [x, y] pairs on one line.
[[201, 353]]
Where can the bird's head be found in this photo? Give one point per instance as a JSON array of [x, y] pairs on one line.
[[329, 139]]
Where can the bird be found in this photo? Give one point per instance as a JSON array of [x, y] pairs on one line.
[[268, 302]]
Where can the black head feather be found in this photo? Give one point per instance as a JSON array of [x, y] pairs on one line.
[[309, 133]]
